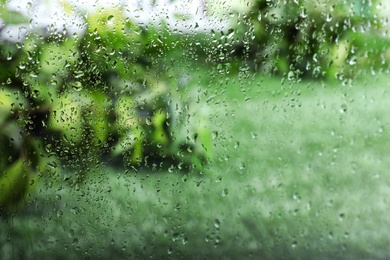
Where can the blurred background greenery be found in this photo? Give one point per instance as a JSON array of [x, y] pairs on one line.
[[261, 136]]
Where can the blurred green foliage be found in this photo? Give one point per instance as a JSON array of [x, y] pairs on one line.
[[306, 173], [310, 181], [112, 94], [316, 39], [73, 102]]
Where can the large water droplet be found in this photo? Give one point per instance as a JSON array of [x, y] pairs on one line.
[[77, 86]]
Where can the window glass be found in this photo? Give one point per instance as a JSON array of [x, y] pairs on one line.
[[194, 129]]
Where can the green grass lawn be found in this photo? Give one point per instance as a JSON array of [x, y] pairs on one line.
[[300, 171]]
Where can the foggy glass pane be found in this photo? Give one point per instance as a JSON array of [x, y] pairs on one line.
[[194, 129]]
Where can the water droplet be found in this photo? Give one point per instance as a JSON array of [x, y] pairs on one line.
[[60, 213], [217, 241], [177, 207], [53, 164], [75, 241], [78, 74], [171, 169], [35, 93], [343, 108], [303, 14], [352, 61], [328, 18], [290, 75], [48, 148], [242, 166], [225, 192], [77, 86], [148, 121], [217, 223], [294, 244], [315, 59]]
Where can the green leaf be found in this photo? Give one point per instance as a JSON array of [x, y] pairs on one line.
[[159, 134], [12, 17], [14, 183], [99, 120]]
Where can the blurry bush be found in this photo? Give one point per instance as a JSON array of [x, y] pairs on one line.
[[317, 39], [74, 102]]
